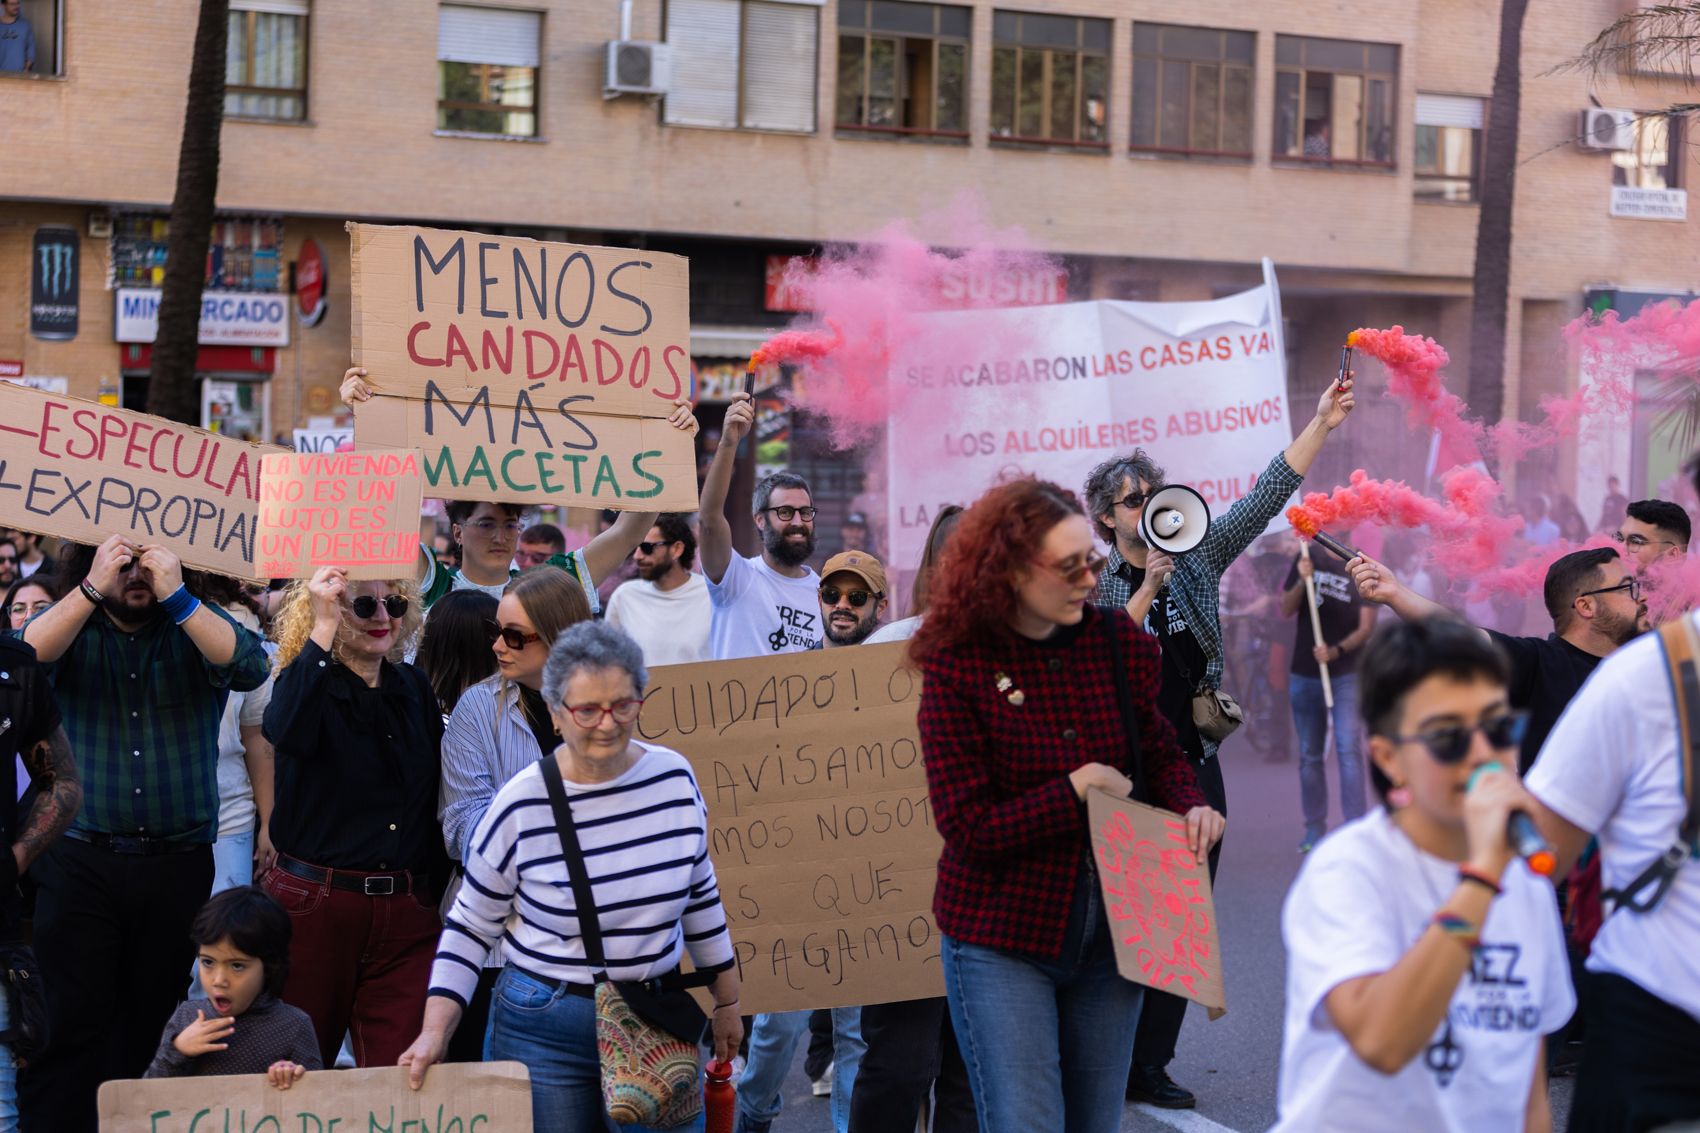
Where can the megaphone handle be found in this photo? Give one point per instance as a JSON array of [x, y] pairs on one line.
[[1316, 629]]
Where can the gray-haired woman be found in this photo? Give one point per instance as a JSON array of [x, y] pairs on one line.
[[643, 826]]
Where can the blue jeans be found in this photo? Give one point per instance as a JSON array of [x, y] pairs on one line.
[[8, 1074], [1047, 1044], [773, 1046], [1310, 720], [233, 866], [554, 1035]]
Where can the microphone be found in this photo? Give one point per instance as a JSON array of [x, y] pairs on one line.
[[1521, 831]]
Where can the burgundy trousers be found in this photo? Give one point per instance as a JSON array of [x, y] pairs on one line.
[[358, 965]]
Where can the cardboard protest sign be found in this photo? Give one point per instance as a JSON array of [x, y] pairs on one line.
[[357, 510], [492, 352], [334, 439], [1157, 896], [473, 1097], [822, 834], [85, 471]]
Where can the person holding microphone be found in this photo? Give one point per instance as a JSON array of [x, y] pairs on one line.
[[1425, 961]]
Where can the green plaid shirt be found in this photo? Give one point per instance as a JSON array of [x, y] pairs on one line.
[[142, 711]]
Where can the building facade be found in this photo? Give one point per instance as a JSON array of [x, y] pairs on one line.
[[1160, 149]]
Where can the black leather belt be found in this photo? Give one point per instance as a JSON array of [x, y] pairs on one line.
[[371, 883], [134, 843], [583, 991]]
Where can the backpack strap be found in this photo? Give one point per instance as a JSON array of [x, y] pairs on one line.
[[1124, 704], [1682, 656]]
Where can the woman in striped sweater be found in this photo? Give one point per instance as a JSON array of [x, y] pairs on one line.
[[644, 831]]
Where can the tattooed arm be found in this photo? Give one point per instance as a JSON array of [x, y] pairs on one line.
[[54, 773]]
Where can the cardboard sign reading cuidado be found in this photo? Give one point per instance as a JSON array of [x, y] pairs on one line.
[[475, 1097], [1157, 896], [356, 510], [526, 371], [85, 471], [822, 835]]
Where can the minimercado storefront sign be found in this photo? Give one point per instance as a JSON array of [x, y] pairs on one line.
[[228, 318]]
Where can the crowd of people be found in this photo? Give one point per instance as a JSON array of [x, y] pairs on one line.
[[408, 821]]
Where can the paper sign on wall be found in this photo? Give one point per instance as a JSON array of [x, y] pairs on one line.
[[523, 370], [822, 834], [85, 471], [473, 1097], [356, 510], [1157, 896]]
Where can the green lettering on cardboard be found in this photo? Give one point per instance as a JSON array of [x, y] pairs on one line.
[[479, 465], [605, 471], [546, 473], [434, 472], [373, 1126], [576, 459], [509, 480], [261, 1124], [154, 1117], [637, 466]]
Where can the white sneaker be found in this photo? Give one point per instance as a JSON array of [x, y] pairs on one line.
[[822, 1087]]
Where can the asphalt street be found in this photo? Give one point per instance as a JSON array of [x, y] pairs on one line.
[[1231, 1064]]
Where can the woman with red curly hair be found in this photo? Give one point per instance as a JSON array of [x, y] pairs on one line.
[[1020, 717]]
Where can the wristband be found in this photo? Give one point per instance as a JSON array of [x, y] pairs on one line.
[[91, 593], [1477, 877], [181, 605], [1457, 928], [724, 1006]]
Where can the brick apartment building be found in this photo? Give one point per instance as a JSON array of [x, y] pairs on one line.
[[1159, 148]]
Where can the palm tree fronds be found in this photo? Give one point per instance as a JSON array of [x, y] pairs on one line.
[[1662, 39]]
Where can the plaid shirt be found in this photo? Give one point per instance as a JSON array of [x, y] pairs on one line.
[[142, 712], [1015, 836], [1197, 583]]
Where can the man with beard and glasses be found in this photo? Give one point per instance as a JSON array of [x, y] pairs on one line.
[[141, 669], [852, 598], [666, 608], [765, 603]]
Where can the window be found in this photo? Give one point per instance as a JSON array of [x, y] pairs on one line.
[[1050, 79], [1448, 148], [487, 70], [903, 68], [31, 43], [1192, 90], [265, 60], [1334, 100], [750, 64], [1654, 163]]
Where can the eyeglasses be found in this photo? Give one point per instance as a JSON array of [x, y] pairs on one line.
[[1633, 585], [488, 526], [35, 607], [366, 605], [1133, 501], [511, 637], [787, 513], [11, 559], [1634, 542], [648, 548], [1451, 745], [590, 715], [829, 596], [1074, 568]]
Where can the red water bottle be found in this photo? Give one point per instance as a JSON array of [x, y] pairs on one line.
[[719, 1098]]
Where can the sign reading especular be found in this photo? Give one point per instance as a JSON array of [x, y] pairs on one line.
[[526, 371], [821, 832], [85, 471]]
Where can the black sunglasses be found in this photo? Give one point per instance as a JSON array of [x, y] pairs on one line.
[[1451, 745], [1133, 501], [648, 548], [366, 605], [513, 638], [829, 595]]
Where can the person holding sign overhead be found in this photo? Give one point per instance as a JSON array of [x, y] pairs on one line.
[[1022, 713], [489, 533]]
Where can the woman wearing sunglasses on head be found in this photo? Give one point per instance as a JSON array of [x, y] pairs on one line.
[[1022, 712], [1425, 963], [354, 822]]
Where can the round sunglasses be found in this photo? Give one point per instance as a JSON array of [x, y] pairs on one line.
[[1450, 745], [829, 596], [366, 605]]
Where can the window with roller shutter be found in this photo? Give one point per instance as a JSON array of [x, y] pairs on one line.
[[487, 62], [1448, 147], [743, 64]]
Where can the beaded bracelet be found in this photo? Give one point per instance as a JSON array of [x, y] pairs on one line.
[[1457, 928], [1477, 877]]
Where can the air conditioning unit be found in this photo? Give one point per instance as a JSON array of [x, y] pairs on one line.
[[1603, 129], [636, 67]]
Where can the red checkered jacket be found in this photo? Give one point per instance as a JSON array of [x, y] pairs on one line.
[[997, 771]]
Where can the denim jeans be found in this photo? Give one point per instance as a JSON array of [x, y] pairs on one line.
[[1310, 720], [1047, 1044], [554, 1035], [8, 1074], [233, 866], [773, 1046]]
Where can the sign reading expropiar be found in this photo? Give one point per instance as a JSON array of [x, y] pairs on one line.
[[822, 834], [355, 510], [85, 471], [478, 1097], [526, 371]]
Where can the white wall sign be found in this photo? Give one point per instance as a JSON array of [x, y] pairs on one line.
[[1649, 204], [228, 318]]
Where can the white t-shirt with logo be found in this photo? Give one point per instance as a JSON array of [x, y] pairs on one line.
[[1362, 899], [671, 626], [1610, 766], [759, 612]]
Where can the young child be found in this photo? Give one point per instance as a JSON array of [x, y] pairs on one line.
[[242, 939]]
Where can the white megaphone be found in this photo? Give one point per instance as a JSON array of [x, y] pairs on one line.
[[1175, 519]]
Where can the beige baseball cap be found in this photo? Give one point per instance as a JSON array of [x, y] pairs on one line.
[[859, 563]]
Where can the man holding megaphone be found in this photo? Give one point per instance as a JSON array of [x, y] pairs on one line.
[[1167, 557]]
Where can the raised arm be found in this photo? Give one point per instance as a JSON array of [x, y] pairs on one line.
[[604, 554], [52, 633], [1376, 583], [1331, 412], [714, 533]]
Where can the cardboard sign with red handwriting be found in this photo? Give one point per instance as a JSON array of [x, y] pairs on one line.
[[356, 510]]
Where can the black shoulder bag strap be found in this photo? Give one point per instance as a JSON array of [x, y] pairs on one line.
[[589, 925], [1124, 701], [1643, 894]]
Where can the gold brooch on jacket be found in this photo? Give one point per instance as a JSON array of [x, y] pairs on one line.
[[1007, 687]]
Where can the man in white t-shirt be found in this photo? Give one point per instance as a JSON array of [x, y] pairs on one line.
[[767, 603], [666, 608]]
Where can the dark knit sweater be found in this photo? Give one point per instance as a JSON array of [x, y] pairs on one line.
[[269, 1031]]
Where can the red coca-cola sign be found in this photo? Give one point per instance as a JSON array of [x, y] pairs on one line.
[[310, 283]]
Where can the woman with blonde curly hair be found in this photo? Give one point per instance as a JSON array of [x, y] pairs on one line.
[[359, 853]]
